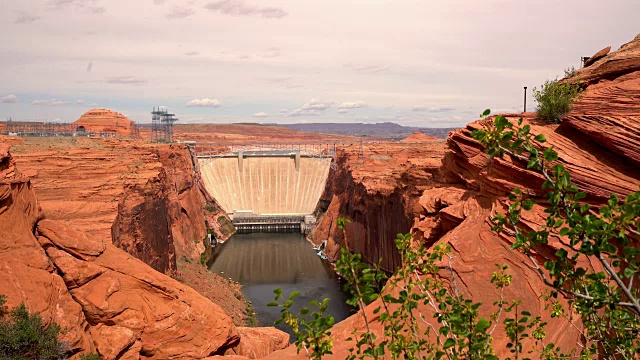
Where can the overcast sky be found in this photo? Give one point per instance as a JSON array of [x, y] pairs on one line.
[[415, 62]]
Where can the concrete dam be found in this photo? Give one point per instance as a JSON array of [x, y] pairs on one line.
[[267, 190]]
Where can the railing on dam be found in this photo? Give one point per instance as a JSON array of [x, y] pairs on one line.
[[270, 223]]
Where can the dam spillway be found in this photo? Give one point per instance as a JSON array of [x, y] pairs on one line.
[[263, 190]]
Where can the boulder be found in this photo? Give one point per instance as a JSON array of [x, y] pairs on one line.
[[597, 56], [123, 299]]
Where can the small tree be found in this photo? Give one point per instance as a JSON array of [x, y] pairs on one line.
[[603, 296], [555, 99], [24, 336]]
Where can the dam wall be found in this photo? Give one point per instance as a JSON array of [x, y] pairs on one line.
[[266, 185]]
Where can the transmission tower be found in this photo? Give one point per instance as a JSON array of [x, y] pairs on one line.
[[162, 125]]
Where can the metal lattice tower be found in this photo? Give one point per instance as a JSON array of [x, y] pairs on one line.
[[162, 125], [360, 160], [9, 127]]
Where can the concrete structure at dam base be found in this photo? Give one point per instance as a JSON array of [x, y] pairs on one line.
[[267, 190]]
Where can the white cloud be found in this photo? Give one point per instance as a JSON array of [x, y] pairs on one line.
[[302, 112], [313, 107], [9, 99], [352, 105], [126, 80], [52, 102], [212, 103], [192, 53], [260, 115], [316, 105], [240, 8], [343, 111], [432, 109], [80, 102]]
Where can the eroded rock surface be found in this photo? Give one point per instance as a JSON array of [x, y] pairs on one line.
[[105, 121], [108, 301], [26, 274], [598, 142], [380, 197], [146, 197]]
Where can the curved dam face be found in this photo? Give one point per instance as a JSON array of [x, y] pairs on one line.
[[266, 184]]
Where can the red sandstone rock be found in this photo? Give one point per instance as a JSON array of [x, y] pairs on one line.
[[418, 137], [115, 289], [26, 274], [597, 56], [106, 300], [598, 143], [106, 121], [256, 343], [380, 197], [146, 197], [620, 62]]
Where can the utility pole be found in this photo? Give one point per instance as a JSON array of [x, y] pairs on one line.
[[525, 99]]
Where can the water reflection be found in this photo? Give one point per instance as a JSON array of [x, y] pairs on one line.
[[262, 262]]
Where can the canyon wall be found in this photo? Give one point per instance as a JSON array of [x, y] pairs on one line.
[[163, 217], [598, 142], [380, 197], [108, 301], [148, 198]]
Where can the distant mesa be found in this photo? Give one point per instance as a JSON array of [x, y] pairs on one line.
[[105, 121], [418, 137]]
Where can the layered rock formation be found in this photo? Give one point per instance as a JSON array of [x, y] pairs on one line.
[[163, 218], [106, 121], [108, 301], [148, 198], [26, 274], [380, 197], [598, 142]]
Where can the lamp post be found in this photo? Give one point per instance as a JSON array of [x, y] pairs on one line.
[[525, 99]]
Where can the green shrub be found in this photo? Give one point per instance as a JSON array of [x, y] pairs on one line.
[[24, 336], [555, 99], [570, 72]]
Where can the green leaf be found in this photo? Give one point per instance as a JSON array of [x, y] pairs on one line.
[[294, 295], [486, 112], [273, 303], [540, 138], [561, 253], [482, 325], [449, 343]]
